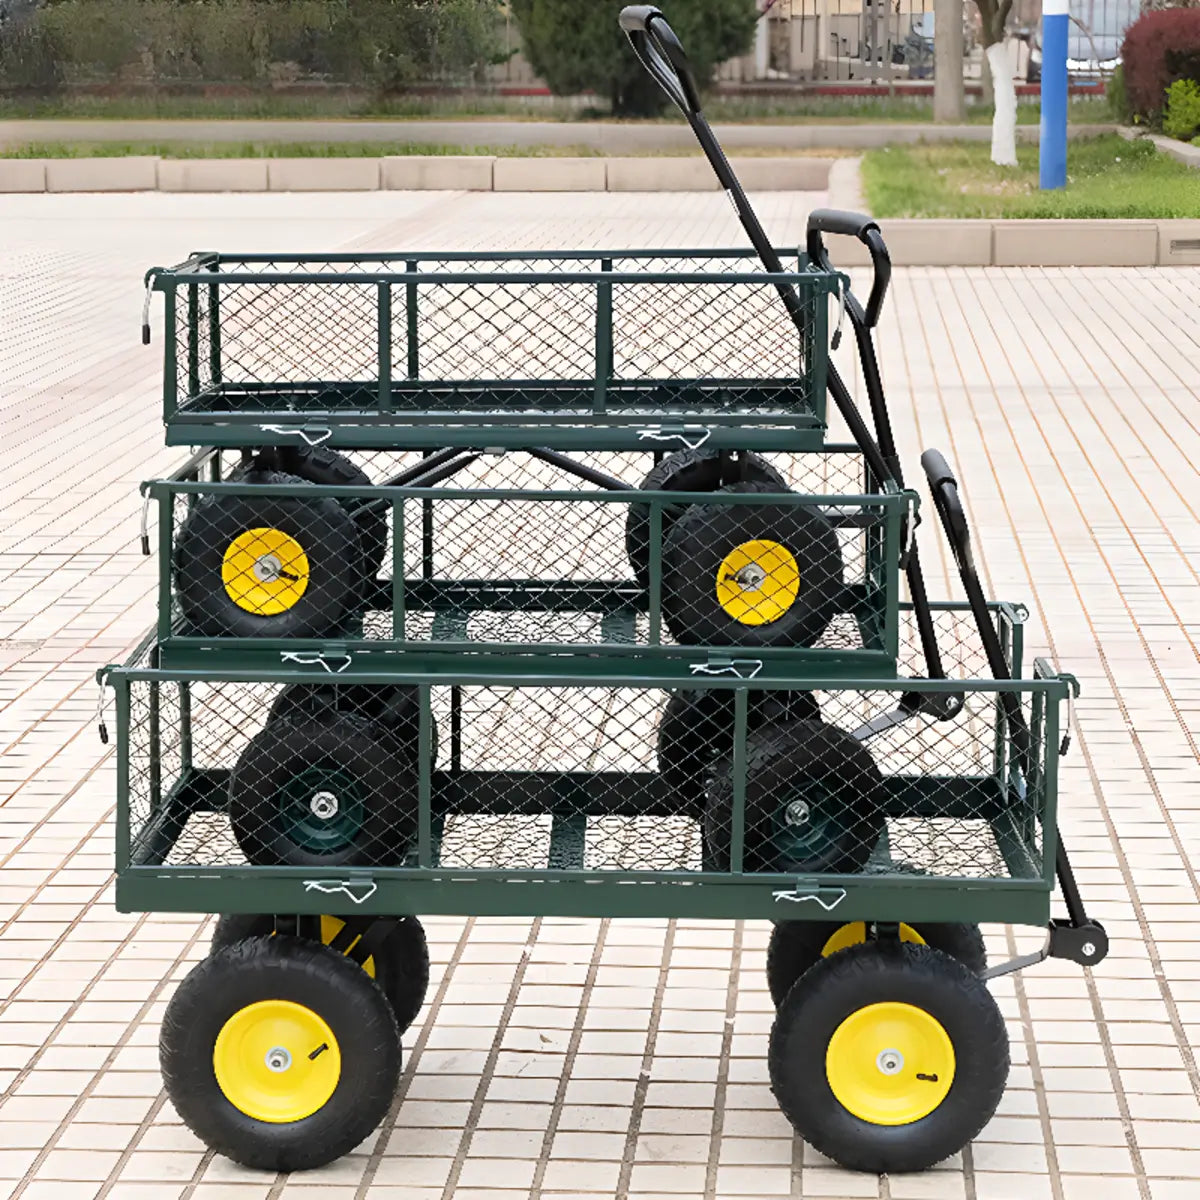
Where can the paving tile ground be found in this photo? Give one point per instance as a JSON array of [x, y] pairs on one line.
[[1068, 401]]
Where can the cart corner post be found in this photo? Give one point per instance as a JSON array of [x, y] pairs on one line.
[[1052, 151]]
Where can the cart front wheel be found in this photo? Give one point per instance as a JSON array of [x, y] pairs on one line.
[[795, 946], [400, 967], [888, 1057], [750, 574], [279, 1053], [267, 566], [688, 471]]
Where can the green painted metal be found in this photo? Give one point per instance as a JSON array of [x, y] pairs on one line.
[[1017, 810], [874, 601], [257, 322]]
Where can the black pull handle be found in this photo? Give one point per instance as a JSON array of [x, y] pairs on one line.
[[866, 230], [943, 487], [662, 54]]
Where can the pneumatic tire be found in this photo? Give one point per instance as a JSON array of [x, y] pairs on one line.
[[750, 574], [401, 967], [888, 1057], [796, 946], [267, 566], [686, 471], [279, 1053], [813, 802], [323, 792]]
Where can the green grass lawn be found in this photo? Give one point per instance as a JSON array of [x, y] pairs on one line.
[[180, 149], [1106, 177], [350, 105]]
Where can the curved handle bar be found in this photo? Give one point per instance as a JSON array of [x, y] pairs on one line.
[[662, 54], [855, 225], [944, 489]]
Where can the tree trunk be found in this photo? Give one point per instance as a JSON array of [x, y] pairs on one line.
[[1004, 123]]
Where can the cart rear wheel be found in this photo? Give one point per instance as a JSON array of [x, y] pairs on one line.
[[814, 802], [267, 566], [695, 732], [279, 1053], [795, 946], [686, 471], [888, 1057], [401, 967], [316, 464], [750, 575], [332, 791]]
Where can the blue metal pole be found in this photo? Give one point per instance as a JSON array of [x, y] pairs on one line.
[[1052, 155]]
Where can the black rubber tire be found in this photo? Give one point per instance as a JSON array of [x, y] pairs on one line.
[[316, 464], [401, 969], [697, 545], [321, 527], [299, 971], [876, 973], [695, 733], [370, 768], [686, 471], [394, 706], [795, 946], [820, 764]]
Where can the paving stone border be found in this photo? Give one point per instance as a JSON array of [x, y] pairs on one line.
[[1079, 243]]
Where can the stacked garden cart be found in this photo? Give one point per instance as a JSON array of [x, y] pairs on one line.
[[533, 584]]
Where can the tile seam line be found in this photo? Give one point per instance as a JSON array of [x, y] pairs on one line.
[[489, 1066], [573, 1043], [122, 1042], [1114, 842], [1150, 657], [387, 1126], [638, 1107]]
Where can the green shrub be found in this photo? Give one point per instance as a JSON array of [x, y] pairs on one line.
[[1181, 118], [385, 44], [576, 46], [1118, 97]]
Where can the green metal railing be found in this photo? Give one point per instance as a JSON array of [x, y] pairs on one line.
[[628, 348]]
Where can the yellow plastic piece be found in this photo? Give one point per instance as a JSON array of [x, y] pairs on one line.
[[277, 1061], [757, 582], [855, 933], [265, 571], [890, 1063]]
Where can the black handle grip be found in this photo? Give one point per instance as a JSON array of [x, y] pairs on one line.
[[943, 487], [662, 54], [855, 225], [835, 220]]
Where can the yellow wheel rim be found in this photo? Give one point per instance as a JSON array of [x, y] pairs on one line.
[[890, 1064], [330, 928], [855, 934], [757, 582], [265, 571], [277, 1061]]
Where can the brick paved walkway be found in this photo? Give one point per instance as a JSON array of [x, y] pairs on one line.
[[614, 1058]]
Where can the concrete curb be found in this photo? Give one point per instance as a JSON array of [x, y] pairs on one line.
[[1019, 243]]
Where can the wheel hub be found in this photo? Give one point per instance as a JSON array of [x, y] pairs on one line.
[[278, 1059], [890, 1062], [797, 813], [324, 806], [758, 582], [267, 569]]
